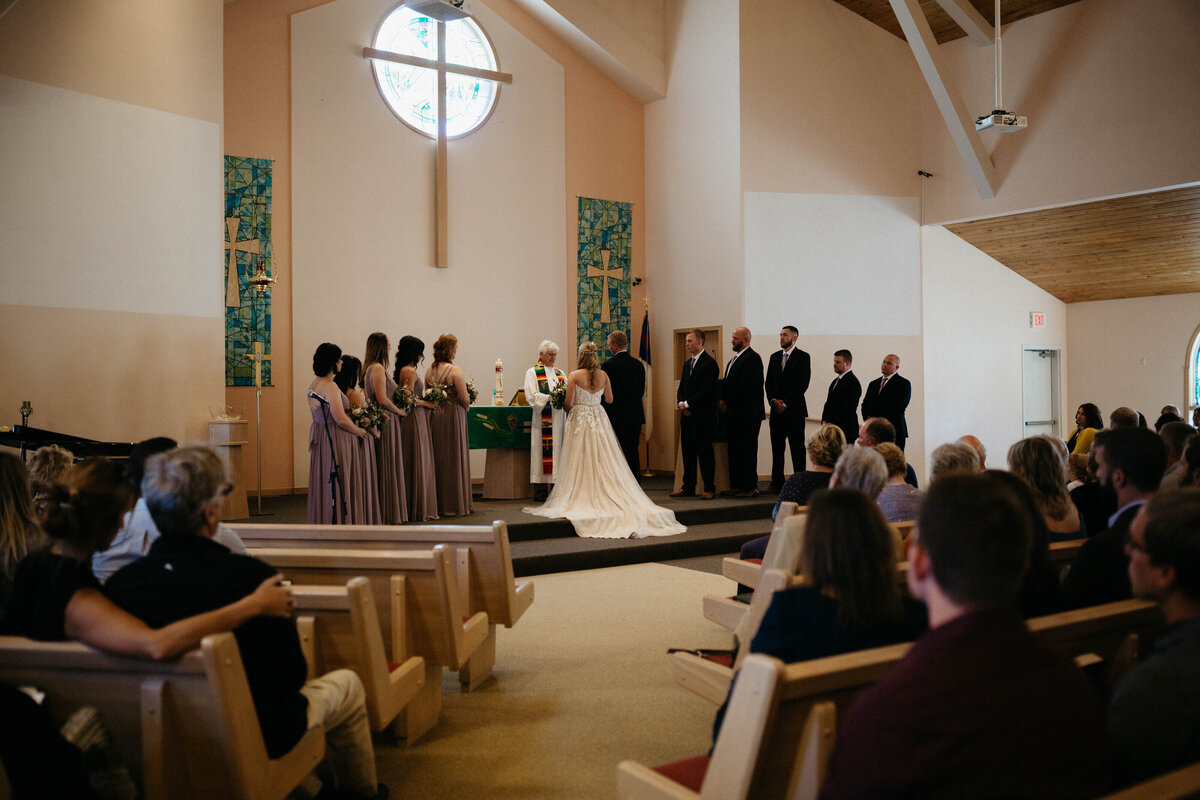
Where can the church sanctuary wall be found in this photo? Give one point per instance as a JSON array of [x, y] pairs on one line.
[[1130, 352], [1107, 87], [831, 216], [110, 163], [693, 196], [976, 323], [362, 215]]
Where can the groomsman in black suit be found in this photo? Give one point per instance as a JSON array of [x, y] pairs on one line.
[[742, 404], [788, 374], [841, 404], [888, 396], [628, 378], [697, 405]]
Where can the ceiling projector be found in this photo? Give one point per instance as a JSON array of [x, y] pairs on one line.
[[1001, 120], [441, 10]]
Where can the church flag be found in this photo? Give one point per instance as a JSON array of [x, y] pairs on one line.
[[644, 356], [644, 346]]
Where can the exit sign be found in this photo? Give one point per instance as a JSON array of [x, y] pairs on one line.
[[1037, 319]]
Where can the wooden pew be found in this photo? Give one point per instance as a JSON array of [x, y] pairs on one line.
[[1182, 783], [339, 628], [482, 557], [432, 623], [185, 728], [746, 572], [1100, 630]]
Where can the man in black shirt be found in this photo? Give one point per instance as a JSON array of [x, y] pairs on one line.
[[186, 573]]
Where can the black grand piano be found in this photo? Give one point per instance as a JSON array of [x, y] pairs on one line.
[[27, 439]]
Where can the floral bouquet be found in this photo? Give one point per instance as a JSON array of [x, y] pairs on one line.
[[403, 398], [558, 397], [360, 417], [472, 392], [378, 415], [435, 393]]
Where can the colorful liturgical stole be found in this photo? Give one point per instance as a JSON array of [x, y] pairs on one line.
[[547, 421]]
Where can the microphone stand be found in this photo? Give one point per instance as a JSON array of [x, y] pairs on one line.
[[335, 476]]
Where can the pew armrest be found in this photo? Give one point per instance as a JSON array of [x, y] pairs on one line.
[[725, 611], [306, 629], [743, 572], [474, 632], [154, 778], [701, 676], [638, 782], [522, 600]]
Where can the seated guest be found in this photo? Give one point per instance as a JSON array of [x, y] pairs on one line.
[[976, 445], [48, 468], [898, 501], [1154, 714], [980, 706], [138, 531], [186, 573], [877, 430], [1088, 421], [849, 600], [1190, 474], [19, 531], [1166, 418], [1077, 471], [824, 448], [1130, 461], [860, 468], [1175, 436], [1096, 503], [952, 457], [56, 597], [1124, 417], [1035, 461], [1041, 592]]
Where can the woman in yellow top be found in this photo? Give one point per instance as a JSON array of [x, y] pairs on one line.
[[1087, 421]]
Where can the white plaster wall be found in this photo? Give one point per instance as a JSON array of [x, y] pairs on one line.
[[363, 216], [693, 196], [1108, 89], [976, 323], [1131, 352]]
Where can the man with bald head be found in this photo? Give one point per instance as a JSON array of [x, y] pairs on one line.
[[742, 404], [888, 396], [976, 445]]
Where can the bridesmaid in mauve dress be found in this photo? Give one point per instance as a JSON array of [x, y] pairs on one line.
[[362, 479], [389, 448], [418, 449], [346, 435], [448, 426]]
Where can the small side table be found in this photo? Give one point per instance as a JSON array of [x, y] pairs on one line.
[[230, 435]]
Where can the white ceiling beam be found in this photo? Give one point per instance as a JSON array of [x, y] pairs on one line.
[[959, 121], [970, 20]]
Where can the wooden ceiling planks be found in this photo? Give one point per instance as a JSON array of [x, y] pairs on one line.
[[1136, 246], [944, 28]]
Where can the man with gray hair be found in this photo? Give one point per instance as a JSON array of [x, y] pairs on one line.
[[187, 573], [860, 468], [545, 431], [953, 457], [1123, 417]]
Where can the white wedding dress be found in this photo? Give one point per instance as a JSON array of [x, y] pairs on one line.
[[595, 489]]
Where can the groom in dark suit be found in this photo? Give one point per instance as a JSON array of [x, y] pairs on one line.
[[788, 374], [742, 404], [628, 378], [887, 396], [697, 405], [841, 404]]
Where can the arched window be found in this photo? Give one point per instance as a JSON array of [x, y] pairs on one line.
[[1193, 376], [411, 91]]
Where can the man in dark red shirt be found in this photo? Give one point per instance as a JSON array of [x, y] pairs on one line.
[[979, 707]]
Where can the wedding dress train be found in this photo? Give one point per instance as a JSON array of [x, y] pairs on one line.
[[595, 489]]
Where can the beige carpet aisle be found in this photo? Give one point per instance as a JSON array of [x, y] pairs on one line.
[[582, 682]]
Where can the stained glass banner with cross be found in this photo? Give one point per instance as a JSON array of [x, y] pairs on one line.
[[247, 246], [605, 250]]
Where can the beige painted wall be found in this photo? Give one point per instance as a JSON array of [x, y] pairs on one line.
[[976, 323], [1131, 352], [1107, 87], [110, 363]]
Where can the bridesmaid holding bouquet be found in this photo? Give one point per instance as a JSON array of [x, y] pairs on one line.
[[448, 425], [418, 447], [389, 448], [362, 476], [345, 435]]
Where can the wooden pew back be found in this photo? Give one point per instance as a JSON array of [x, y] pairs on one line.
[[186, 728]]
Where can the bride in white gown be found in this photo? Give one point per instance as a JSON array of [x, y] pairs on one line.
[[595, 489]]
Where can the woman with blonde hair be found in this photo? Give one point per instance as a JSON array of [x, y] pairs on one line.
[[448, 430], [1040, 464], [595, 489], [19, 531]]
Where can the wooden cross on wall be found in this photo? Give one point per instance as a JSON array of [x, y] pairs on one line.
[[604, 272], [442, 67]]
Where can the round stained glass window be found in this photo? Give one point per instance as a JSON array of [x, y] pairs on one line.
[[411, 91]]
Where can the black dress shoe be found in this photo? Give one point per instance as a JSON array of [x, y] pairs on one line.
[[682, 493]]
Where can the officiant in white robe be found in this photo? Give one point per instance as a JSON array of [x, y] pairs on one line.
[[539, 380]]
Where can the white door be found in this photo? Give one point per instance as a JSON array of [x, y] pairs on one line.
[[1039, 389]]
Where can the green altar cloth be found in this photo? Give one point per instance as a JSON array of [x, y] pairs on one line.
[[490, 427]]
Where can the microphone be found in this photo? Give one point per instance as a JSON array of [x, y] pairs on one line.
[[318, 398]]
